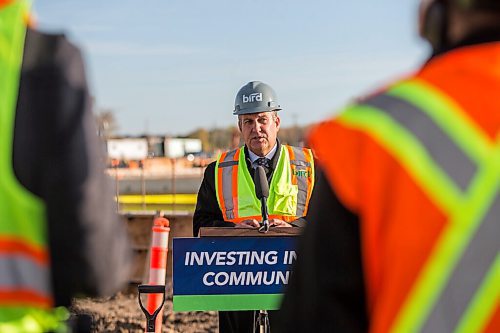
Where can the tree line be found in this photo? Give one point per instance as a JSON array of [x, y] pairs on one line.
[[212, 139], [229, 137]]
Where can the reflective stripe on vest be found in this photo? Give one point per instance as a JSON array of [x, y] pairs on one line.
[[227, 172], [28, 281], [229, 176], [457, 166], [455, 163], [301, 161], [25, 293]]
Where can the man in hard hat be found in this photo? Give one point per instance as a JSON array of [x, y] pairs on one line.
[[289, 171], [59, 235], [405, 211]]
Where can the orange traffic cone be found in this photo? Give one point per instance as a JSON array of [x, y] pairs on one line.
[[158, 265]]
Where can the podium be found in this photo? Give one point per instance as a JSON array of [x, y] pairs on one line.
[[232, 269]]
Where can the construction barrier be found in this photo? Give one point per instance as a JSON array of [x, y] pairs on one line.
[[158, 265], [187, 199]]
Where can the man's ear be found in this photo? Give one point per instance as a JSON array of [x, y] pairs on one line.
[[239, 124], [278, 122]]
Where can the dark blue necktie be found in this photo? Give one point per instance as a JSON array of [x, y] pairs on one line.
[[265, 162]]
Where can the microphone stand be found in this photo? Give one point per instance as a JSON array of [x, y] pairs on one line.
[[263, 322], [264, 226], [263, 318], [262, 192]]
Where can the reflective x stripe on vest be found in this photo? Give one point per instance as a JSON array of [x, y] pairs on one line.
[[291, 185], [458, 167], [25, 293]]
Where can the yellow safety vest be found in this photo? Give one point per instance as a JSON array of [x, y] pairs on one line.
[[26, 298], [290, 189]]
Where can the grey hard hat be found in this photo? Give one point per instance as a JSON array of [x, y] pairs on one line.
[[255, 97]]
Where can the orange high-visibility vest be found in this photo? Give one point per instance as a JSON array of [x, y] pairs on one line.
[[420, 165]]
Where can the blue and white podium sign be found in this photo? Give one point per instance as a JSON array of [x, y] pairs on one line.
[[231, 273]]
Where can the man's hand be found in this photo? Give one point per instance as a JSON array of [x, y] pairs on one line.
[[279, 223], [250, 223]]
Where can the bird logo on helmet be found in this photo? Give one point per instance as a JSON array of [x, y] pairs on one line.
[[255, 97]]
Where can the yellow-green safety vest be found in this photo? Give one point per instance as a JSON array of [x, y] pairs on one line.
[[290, 188], [26, 298]]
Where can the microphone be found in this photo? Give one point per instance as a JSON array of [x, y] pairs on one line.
[[261, 185], [262, 192]]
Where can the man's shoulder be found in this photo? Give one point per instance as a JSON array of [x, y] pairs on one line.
[[209, 170], [234, 150], [227, 152], [44, 48], [294, 147], [231, 153], [297, 149]]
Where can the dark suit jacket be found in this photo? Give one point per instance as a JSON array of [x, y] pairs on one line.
[[56, 156]]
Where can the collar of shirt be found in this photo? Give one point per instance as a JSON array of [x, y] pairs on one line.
[[253, 157]]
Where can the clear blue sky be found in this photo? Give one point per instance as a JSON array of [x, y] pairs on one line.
[[171, 66]]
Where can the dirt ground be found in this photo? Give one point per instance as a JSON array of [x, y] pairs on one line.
[[121, 313]]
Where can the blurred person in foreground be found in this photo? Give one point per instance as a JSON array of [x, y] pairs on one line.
[[59, 235], [227, 196], [405, 212]]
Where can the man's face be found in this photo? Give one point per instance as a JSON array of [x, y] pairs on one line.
[[259, 131]]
